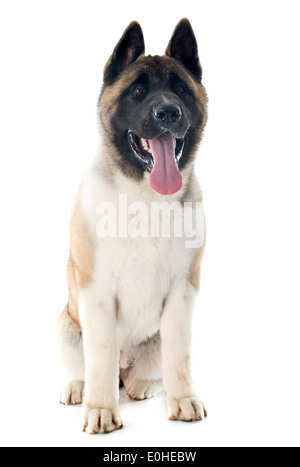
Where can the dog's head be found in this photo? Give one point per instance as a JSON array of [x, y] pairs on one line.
[[153, 110]]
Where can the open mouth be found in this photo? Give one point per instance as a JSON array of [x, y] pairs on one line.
[[142, 150], [160, 156]]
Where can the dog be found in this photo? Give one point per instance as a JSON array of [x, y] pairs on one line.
[[129, 315]]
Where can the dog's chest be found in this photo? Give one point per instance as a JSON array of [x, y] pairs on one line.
[[139, 273], [135, 269]]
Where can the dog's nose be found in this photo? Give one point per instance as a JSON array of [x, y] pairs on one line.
[[168, 113]]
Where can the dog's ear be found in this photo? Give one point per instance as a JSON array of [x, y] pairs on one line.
[[183, 47], [129, 48]]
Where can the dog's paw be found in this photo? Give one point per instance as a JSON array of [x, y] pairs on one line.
[[140, 389], [98, 420], [188, 409], [72, 393]]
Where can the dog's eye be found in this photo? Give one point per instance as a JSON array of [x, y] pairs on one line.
[[137, 90], [180, 89]]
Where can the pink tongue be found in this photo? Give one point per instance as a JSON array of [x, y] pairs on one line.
[[165, 178]]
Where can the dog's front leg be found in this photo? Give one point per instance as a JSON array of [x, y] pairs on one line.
[[176, 334], [102, 354]]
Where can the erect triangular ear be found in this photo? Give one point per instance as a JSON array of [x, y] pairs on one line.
[[183, 47], [129, 48]]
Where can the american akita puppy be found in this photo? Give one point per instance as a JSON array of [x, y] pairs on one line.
[[129, 314]]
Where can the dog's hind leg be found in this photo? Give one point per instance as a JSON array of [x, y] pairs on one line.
[[71, 351], [142, 378]]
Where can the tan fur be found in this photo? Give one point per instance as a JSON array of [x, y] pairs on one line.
[[81, 261], [194, 273], [195, 269], [118, 308], [108, 164], [66, 321], [110, 97]]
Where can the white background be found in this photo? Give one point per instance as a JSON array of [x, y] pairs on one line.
[[247, 318]]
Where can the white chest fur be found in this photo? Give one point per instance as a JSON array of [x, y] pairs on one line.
[[135, 272]]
